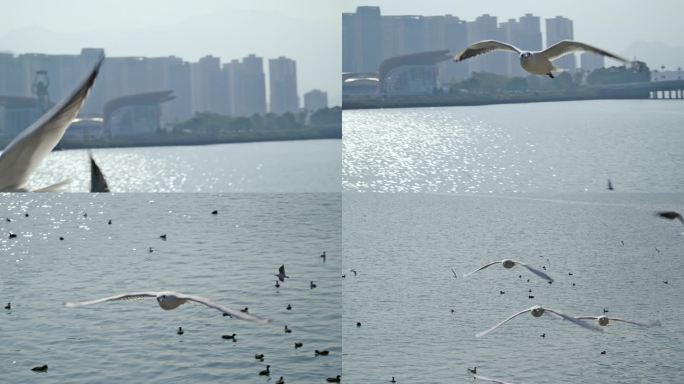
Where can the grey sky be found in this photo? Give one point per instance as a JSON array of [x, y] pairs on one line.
[[631, 27], [308, 31]]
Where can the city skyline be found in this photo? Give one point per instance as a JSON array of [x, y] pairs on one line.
[[657, 40], [163, 28], [236, 88]]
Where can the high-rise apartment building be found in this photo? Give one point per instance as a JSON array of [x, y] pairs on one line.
[[282, 74], [558, 29]]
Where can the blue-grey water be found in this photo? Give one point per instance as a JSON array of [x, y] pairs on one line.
[[282, 166], [404, 246], [230, 258], [537, 147]]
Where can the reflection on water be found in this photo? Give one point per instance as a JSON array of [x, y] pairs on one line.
[[403, 247], [287, 166], [229, 257], [538, 147]]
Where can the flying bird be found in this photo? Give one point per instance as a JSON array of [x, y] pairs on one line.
[[508, 264], [538, 311], [281, 273], [478, 377], [24, 154], [604, 321], [535, 62], [171, 300], [671, 215]]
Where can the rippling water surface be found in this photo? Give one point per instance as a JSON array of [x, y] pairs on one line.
[[283, 166], [537, 147], [403, 247], [230, 258]]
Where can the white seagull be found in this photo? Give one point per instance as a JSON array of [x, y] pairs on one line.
[[537, 311], [171, 300], [605, 320], [25, 153], [536, 62], [508, 264]]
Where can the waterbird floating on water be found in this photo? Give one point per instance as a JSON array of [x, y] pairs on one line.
[[169, 300], [538, 311], [671, 215], [508, 264], [266, 372], [535, 62], [336, 379], [42, 368], [26, 152], [604, 321]]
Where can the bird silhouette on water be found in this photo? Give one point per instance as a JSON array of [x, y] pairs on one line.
[[180, 331], [312, 285], [42, 368], [336, 379], [322, 353], [671, 215], [266, 372], [281, 273], [8, 306], [229, 337], [298, 345]]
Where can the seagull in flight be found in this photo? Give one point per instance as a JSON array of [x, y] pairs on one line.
[[538, 311], [478, 377], [604, 321], [671, 215], [24, 154], [169, 300], [508, 264], [535, 62], [281, 273]]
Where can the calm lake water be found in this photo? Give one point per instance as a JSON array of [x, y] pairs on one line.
[[537, 147], [282, 166], [403, 247], [229, 257]]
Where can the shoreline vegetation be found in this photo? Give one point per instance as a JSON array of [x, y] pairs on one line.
[[484, 88]]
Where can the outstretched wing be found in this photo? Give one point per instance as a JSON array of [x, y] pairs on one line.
[[483, 333], [281, 270], [233, 313], [568, 46], [536, 271], [482, 267], [581, 323], [488, 379], [482, 47], [125, 296], [25, 153], [649, 324], [586, 317]]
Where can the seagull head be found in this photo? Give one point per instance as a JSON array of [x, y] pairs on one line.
[[603, 320], [526, 54]]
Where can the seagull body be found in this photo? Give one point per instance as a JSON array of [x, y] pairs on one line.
[[171, 300], [281, 273], [508, 264], [24, 154], [605, 320], [535, 62], [538, 311]]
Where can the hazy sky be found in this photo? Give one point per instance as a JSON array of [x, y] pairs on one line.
[[308, 31], [618, 25]]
